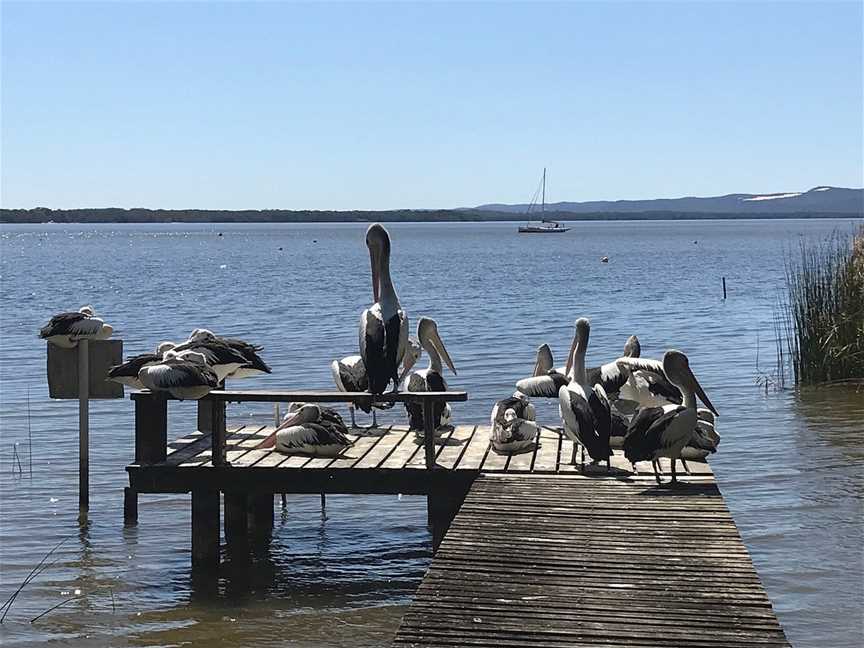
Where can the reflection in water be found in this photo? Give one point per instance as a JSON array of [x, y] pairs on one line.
[[836, 414]]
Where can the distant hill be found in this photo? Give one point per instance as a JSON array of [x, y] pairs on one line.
[[818, 200]]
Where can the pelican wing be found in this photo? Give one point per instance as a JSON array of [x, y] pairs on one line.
[[349, 374], [661, 387], [546, 386], [73, 324], [645, 434], [642, 364], [403, 340], [612, 376], [373, 349], [597, 441], [576, 413], [172, 374], [133, 366]]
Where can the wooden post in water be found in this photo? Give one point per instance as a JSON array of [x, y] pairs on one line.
[[83, 428], [236, 521], [205, 529], [724, 287], [260, 515]]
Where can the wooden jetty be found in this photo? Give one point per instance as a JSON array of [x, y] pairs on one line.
[[538, 552]]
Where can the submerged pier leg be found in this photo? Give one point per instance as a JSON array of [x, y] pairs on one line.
[[442, 505], [260, 515], [130, 506], [236, 521], [205, 529]]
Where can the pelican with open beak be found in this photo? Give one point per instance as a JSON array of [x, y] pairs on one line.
[[431, 378], [665, 431], [384, 325]]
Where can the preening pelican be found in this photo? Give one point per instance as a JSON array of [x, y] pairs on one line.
[[664, 431], [252, 365], [513, 424], [545, 381], [187, 377], [431, 378], [585, 408], [310, 430], [384, 325], [65, 329], [127, 373], [349, 375], [647, 384]]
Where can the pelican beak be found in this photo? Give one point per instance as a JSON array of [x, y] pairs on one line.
[[409, 361], [439, 345], [697, 389], [294, 418], [570, 353], [373, 260], [269, 442], [537, 370]]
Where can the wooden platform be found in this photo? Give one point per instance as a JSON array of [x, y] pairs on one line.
[[384, 460], [560, 559]]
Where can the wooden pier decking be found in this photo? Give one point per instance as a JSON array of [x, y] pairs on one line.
[[530, 550], [550, 561]]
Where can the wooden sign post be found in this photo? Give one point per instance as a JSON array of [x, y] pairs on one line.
[[81, 373]]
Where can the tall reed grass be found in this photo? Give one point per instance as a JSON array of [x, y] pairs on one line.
[[822, 314]]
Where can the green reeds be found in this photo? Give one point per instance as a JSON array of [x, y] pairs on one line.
[[822, 315]]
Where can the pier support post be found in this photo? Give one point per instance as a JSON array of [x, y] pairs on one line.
[[235, 520], [429, 433], [130, 506], [211, 420], [83, 428], [151, 429], [205, 529], [442, 505], [261, 515]]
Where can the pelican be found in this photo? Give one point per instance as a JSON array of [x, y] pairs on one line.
[[127, 373], [585, 408], [513, 424], [187, 377], [65, 329], [311, 430], [664, 431], [349, 375], [431, 378], [647, 384], [705, 439], [384, 325], [254, 365]]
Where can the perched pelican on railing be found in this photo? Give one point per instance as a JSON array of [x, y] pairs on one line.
[[65, 329], [657, 432], [127, 373], [585, 408], [349, 375], [310, 430], [187, 377], [253, 364], [384, 325], [513, 424], [431, 378]]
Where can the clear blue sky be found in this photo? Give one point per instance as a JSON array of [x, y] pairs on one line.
[[379, 106]]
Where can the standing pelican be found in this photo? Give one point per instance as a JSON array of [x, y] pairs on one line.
[[187, 377], [513, 424], [585, 408], [349, 375], [65, 329], [127, 373], [384, 325], [309, 429], [431, 378], [664, 431]]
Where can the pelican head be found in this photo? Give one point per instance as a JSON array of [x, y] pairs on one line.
[[427, 332], [522, 397], [87, 310], [164, 347], [412, 355], [300, 413], [189, 356], [632, 348], [201, 335], [378, 242], [545, 361], [580, 341], [677, 368]]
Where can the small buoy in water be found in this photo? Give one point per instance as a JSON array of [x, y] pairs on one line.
[[314, 240], [220, 233], [223, 266], [604, 260], [280, 249], [695, 242]]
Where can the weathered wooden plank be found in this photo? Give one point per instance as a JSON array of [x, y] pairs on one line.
[[362, 445], [456, 444], [495, 462], [474, 455], [403, 454], [382, 449], [418, 461], [546, 458]]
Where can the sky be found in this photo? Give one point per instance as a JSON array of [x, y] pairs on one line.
[[423, 105]]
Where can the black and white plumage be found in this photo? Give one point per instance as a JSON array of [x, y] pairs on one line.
[[251, 364], [545, 380], [665, 431], [349, 375], [384, 325], [585, 409], [513, 425], [647, 384], [127, 373], [310, 429], [187, 377], [65, 329], [429, 379], [705, 439]]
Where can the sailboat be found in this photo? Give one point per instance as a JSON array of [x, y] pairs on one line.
[[545, 226]]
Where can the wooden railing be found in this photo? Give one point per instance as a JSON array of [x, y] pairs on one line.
[[151, 415]]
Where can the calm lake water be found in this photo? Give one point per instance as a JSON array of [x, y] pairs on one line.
[[790, 465]]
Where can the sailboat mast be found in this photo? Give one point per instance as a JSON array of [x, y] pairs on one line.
[[543, 208]]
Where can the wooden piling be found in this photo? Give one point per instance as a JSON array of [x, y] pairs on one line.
[[130, 506], [151, 428], [236, 518], [205, 529], [83, 427], [724, 287], [260, 508]]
